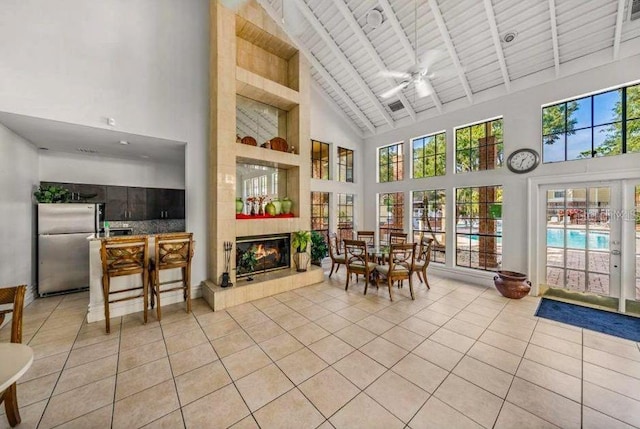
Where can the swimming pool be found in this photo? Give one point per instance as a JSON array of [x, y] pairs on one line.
[[576, 239]]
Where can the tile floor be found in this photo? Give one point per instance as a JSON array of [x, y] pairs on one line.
[[459, 356]]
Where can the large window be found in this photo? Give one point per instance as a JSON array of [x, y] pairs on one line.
[[320, 211], [479, 146], [391, 215], [390, 168], [428, 218], [637, 215], [479, 227], [319, 160], [345, 165], [597, 125], [429, 155], [345, 217]]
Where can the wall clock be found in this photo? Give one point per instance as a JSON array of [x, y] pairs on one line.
[[523, 160]]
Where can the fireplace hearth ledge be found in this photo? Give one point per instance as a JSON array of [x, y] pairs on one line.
[[262, 286]]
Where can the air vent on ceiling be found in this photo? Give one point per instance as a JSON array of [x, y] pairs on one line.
[[634, 13], [86, 150], [396, 105]]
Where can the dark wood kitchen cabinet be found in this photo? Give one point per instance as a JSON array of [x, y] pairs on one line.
[[126, 203], [165, 203]]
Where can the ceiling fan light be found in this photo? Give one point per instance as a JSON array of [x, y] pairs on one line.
[[374, 18]]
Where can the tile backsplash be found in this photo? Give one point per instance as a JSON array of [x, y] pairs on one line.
[[151, 226]]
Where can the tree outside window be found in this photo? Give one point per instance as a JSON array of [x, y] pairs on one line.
[[391, 215], [429, 156], [480, 146], [345, 217], [319, 160], [320, 212], [428, 219], [390, 163]]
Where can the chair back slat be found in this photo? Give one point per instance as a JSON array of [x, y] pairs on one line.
[[124, 255], [397, 237], [173, 250], [367, 236], [355, 251], [402, 255], [13, 295], [426, 244]]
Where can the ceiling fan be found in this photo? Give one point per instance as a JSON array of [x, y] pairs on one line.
[[417, 74]]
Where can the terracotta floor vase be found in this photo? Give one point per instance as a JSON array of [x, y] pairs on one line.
[[512, 284]]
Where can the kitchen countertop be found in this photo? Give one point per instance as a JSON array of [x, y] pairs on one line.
[[100, 237]]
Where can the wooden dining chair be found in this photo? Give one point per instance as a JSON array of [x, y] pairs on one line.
[[401, 262], [422, 260], [357, 261], [367, 236], [12, 295], [337, 258], [397, 237], [171, 251], [124, 256]]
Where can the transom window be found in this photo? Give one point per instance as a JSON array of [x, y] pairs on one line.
[[429, 155], [390, 159], [480, 146], [479, 227], [428, 218], [597, 125], [345, 165], [391, 215], [345, 217], [320, 211], [319, 160]]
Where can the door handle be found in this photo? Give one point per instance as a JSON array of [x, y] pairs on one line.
[[615, 252]]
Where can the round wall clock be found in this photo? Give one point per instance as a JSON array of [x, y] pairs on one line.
[[523, 161]]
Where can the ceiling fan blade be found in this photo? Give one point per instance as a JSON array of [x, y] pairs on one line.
[[394, 74], [430, 58], [422, 89], [395, 89]]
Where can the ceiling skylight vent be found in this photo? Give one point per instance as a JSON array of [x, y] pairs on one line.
[[86, 150], [634, 13], [396, 105]]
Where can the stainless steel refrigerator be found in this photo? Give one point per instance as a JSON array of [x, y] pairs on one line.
[[63, 248]]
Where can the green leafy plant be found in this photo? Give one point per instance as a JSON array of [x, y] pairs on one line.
[[318, 248], [52, 194], [300, 240], [248, 261]]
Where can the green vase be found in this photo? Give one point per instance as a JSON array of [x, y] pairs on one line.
[[278, 205], [239, 205], [270, 209], [286, 205]]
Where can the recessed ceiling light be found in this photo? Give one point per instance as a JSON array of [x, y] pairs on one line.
[[144, 156], [509, 36], [374, 18], [124, 142]]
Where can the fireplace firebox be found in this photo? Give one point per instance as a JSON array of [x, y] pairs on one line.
[[259, 254]]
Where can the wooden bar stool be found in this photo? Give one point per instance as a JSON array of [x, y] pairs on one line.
[[124, 257], [172, 251]]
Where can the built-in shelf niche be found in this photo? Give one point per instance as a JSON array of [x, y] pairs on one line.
[[253, 180], [258, 120]]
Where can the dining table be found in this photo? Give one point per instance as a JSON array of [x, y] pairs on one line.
[[15, 360]]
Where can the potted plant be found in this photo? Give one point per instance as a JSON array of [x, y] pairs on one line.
[[248, 262], [300, 241], [318, 248], [52, 194]]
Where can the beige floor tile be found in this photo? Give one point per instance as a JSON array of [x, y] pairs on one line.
[[445, 309], [433, 317], [265, 302], [383, 352], [504, 342], [359, 369], [87, 373], [45, 366], [557, 344], [229, 344], [78, 402], [512, 416], [91, 353], [353, 314], [397, 395], [419, 326], [50, 349], [420, 372], [612, 380], [299, 303], [146, 406], [178, 327], [452, 340], [185, 341], [281, 346], [363, 412], [476, 403], [35, 390], [438, 354], [170, 421], [559, 331], [265, 331], [375, 324], [334, 304], [485, 376], [29, 414], [331, 349], [245, 362], [555, 360], [545, 404], [613, 345], [291, 410], [291, 320], [328, 391], [355, 335], [309, 333], [393, 316], [464, 328], [220, 329], [437, 414], [92, 337], [142, 377], [476, 319], [301, 365], [314, 312], [277, 310], [551, 379], [193, 358], [332, 322], [132, 340], [613, 404], [100, 418], [201, 381], [212, 318], [222, 408], [132, 358], [251, 319], [494, 356], [592, 419], [403, 337], [263, 386], [248, 422]]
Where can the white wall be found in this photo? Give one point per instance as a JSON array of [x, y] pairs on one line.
[[331, 126], [522, 128], [144, 63], [101, 170], [18, 179]]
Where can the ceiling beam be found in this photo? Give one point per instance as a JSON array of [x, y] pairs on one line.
[[406, 45], [554, 36], [319, 68], [488, 7], [618, 34], [368, 47], [446, 37], [342, 59]]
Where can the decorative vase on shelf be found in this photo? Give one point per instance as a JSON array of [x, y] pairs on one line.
[[270, 209], [253, 209], [277, 204], [286, 205], [260, 209], [239, 205]]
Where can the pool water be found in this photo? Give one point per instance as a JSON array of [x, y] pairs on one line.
[[577, 239]]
